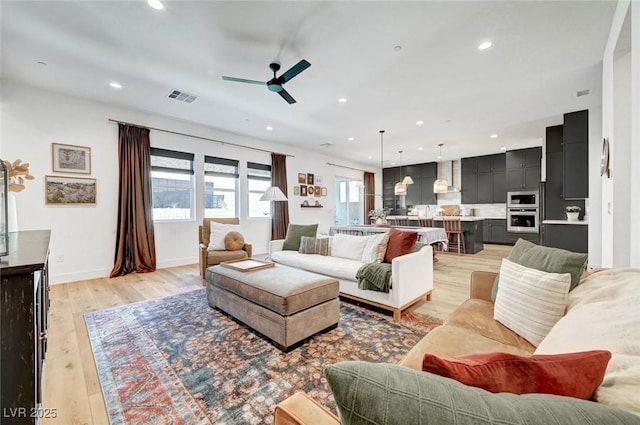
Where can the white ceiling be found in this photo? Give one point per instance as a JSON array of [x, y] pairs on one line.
[[543, 52]]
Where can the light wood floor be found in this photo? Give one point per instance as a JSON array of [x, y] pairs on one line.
[[71, 380]]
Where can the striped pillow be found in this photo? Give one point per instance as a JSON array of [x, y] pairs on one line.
[[309, 245], [375, 248], [529, 301]]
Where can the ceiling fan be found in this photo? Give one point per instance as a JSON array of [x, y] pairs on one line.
[[275, 84]]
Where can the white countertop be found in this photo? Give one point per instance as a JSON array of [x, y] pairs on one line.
[[579, 223], [440, 218]]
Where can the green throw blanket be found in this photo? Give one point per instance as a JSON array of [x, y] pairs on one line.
[[374, 277]]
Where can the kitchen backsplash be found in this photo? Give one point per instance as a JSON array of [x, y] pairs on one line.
[[479, 210]]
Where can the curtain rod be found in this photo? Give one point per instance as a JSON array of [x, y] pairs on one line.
[[351, 168], [198, 137]]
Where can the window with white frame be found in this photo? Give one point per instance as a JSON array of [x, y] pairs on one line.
[[220, 187], [258, 180], [172, 184]]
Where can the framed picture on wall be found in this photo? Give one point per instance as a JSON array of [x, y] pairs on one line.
[[318, 191], [70, 190], [302, 178], [318, 181], [309, 178], [296, 190], [310, 190], [324, 191], [71, 158], [303, 190]]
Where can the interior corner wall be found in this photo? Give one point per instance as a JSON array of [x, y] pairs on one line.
[[83, 237], [595, 188], [620, 112]]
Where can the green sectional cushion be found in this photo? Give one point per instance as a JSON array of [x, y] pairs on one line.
[[295, 232], [550, 260], [386, 394]]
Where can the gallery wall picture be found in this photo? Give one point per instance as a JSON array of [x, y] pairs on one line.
[[324, 191], [318, 180], [303, 190], [309, 178], [70, 190], [71, 158], [317, 191], [296, 190], [310, 190], [302, 178]]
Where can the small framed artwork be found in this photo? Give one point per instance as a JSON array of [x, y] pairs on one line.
[[70, 190], [310, 190], [317, 191], [303, 190], [324, 191], [309, 178], [318, 181], [71, 159], [296, 190], [302, 178]]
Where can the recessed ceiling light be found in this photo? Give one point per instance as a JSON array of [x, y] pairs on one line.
[[494, 136], [439, 156], [420, 148], [115, 85], [351, 139], [420, 122], [156, 4], [393, 163], [369, 157], [269, 128], [484, 45], [342, 100], [504, 148]]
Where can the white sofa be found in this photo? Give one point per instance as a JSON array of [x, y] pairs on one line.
[[411, 275]]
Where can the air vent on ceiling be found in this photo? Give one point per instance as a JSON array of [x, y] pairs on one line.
[[326, 145], [181, 96], [583, 92]]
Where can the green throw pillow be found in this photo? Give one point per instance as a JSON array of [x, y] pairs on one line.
[[386, 394], [295, 232], [550, 260]]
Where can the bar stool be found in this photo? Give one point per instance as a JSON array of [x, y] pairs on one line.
[[453, 228], [402, 221], [425, 222]]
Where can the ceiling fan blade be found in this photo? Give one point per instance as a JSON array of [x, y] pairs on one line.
[[286, 96], [294, 70], [243, 80]]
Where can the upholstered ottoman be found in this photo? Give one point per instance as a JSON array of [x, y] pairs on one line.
[[285, 304]]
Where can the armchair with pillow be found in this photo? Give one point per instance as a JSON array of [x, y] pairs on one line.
[[221, 240]]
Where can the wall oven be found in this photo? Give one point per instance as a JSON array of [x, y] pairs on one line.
[[523, 199], [523, 220]]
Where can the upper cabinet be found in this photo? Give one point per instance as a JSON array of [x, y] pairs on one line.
[[483, 179], [418, 193], [576, 155], [523, 169]]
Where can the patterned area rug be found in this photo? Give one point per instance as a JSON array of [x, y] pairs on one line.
[[175, 360]]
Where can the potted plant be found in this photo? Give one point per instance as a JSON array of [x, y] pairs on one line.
[[572, 212], [379, 215]]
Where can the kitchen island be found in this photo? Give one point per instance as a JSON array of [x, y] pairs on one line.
[[471, 225]]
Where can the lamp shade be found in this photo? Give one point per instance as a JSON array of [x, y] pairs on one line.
[[400, 189], [440, 186], [407, 180], [273, 193]]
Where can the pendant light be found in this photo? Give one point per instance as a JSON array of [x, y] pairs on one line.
[[440, 185], [401, 187]]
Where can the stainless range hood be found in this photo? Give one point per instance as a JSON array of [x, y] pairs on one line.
[[448, 176]]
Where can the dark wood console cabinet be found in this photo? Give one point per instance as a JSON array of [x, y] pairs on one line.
[[24, 304]]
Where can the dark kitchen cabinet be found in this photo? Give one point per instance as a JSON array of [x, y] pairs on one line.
[[523, 169], [418, 193], [24, 305], [572, 237], [495, 230], [483, 179], [428, 175], [414, 191], [576, 155]]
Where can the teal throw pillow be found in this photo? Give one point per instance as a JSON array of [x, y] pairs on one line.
[[295, 232], [543, 258], [386, 394]]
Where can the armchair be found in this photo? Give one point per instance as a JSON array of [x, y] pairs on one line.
[[209, 258]]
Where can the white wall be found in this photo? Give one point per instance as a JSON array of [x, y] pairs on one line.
[[85, 236], [620, 111]]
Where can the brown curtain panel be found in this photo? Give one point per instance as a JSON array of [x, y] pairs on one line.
[[280, 218], [369, 194], [135, 242]]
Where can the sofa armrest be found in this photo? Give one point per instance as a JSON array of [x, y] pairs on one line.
[[300, 409], [275, 246], [248, 248], [481, 285], [412, 275], [202, 259]]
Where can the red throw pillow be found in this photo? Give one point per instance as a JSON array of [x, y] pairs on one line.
[[573, 374], [400, 243]]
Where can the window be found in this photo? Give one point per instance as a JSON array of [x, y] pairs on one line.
[[258, 180], [348, 206], [220, 187], [172, 184]]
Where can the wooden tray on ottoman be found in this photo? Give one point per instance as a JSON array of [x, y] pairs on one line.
[[247, 264]]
